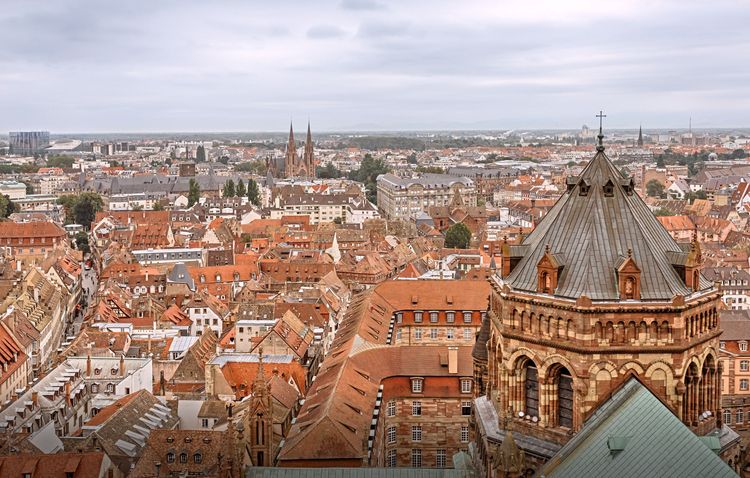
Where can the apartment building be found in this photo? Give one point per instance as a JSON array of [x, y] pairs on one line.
[[405, 198]]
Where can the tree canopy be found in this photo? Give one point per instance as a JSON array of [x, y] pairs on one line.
[[240, 190], [368, 172], [194, 192], [654, 188], [82, 208], [253, 193], [458, 236], [6, 206], [229, 191], [255, 167]]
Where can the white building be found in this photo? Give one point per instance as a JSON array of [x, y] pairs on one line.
[[404, 198]]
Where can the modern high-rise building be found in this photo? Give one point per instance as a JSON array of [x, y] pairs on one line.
[[28, 142]]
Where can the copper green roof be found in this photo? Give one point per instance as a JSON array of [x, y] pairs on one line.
[[633, 434], [590, 230]]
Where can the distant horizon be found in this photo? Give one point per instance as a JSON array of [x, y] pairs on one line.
[[299, 133]]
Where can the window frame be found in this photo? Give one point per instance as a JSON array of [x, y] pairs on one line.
[[416, 408]]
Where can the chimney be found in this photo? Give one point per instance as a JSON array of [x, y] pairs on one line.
[[88, 365], [453, 359], [35, 397], [162, 383], [67, 392], [122, 365]]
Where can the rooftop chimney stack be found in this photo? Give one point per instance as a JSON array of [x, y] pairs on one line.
[[453, 359]]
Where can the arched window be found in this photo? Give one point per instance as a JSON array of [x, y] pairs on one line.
[[728, 417], [546, 283], [170, 457], [629, 292], [531, 388], [564, 398], [598, 331], [260, 438], [197, 458], [183, 457], [236, 276]]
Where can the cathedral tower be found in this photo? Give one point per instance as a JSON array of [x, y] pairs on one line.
[[597, 292]]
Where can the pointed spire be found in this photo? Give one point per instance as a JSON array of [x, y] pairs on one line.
[[308, 161], [640, 135], [291, 154]]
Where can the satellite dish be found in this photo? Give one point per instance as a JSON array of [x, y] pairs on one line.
[[520, 414], [534, 419]]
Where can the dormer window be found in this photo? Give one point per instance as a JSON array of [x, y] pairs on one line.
[[609, 189], [202, 278], [417, 385], [743, 346], [629, 278], [548, 272], [583, 188]]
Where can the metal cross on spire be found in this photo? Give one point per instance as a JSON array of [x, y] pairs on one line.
[[601, 117]]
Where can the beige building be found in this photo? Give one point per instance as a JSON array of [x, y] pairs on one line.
[[734, 360], [405, 198]]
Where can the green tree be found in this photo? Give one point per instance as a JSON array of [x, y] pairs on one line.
[[158, 206], [194, 192], [411, 159], [82, 242], [86, 207], [200, 154], [55, 161], [137, 207], [430, 169], [458, 236], [368, 172], [253, 193], [660, 161], [329, 171], [6, 206], [229, 189], [654, 188], [662, 212], [240, 190], [254, 167]]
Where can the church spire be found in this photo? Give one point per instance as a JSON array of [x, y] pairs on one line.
[[291, 154], [640, 135], [308, 161]]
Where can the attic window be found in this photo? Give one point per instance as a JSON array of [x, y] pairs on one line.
[[414, 299], [609, 189], [583, 188]]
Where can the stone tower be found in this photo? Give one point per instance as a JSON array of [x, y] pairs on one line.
[[292, 161], [308, 160], [259, 419], [597, 292]]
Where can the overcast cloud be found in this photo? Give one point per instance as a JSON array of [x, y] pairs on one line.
[[148, 65]]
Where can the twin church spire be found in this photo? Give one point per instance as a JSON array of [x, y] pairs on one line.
[[296, 166]]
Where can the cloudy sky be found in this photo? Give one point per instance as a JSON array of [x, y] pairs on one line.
[[161, 65]]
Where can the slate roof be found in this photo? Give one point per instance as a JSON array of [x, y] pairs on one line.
[[656, 442], [591, 233]]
